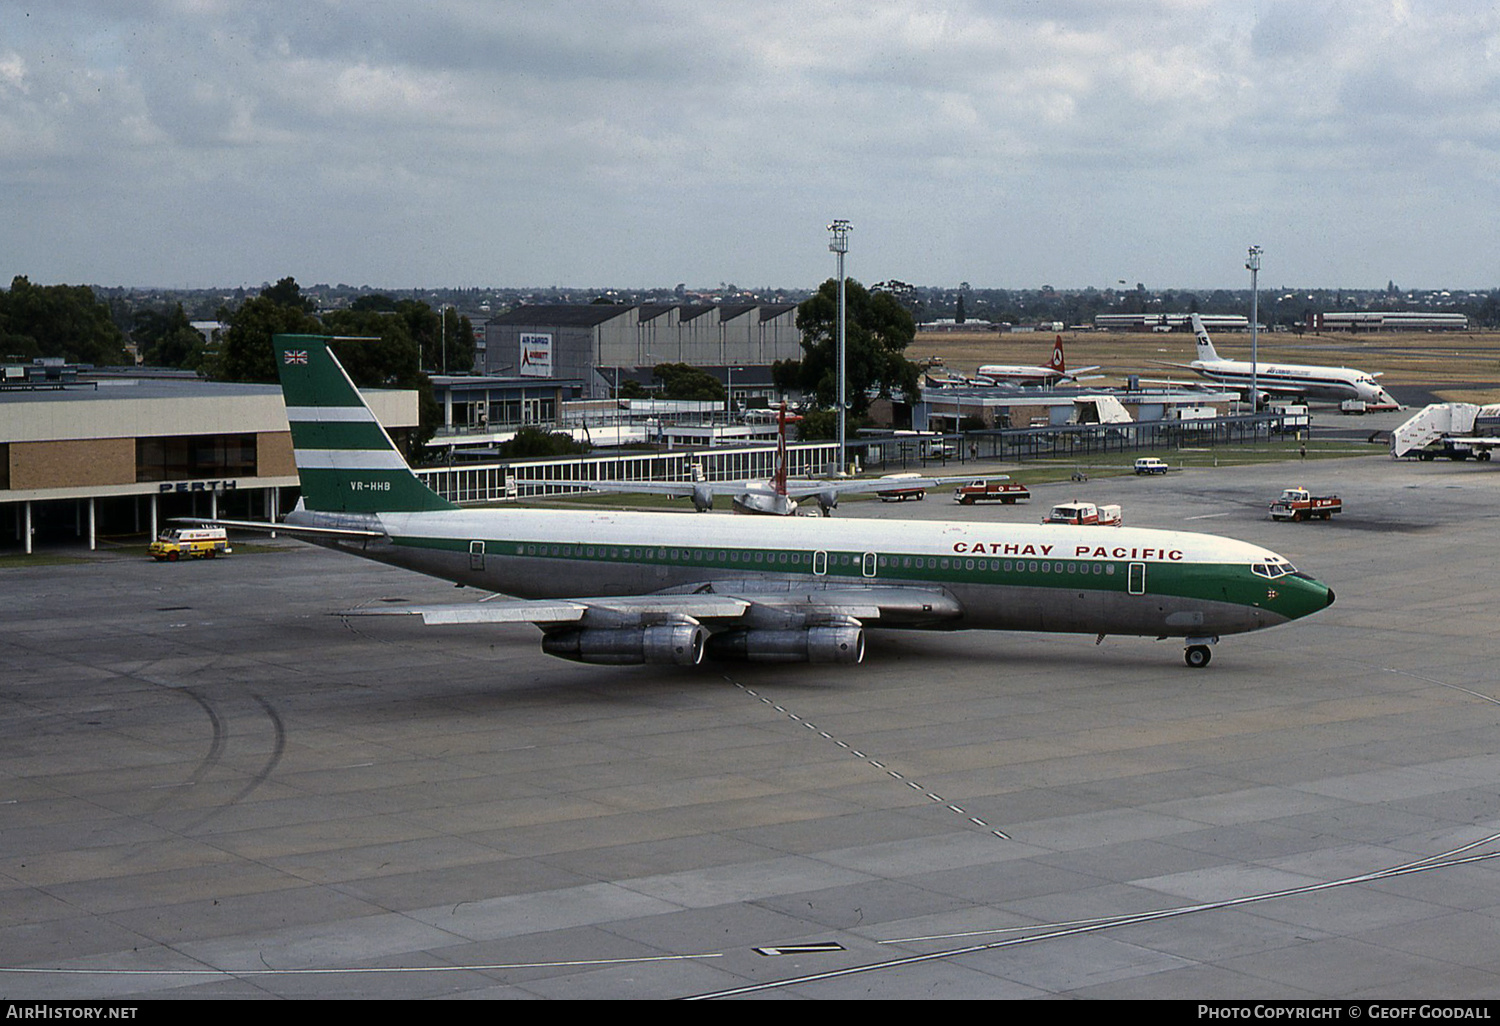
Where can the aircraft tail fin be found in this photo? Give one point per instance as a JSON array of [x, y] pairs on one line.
[[1058, 363], [1205, 346], [778, 479], [346, 461]]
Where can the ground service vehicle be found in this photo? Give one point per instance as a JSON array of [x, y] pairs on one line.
[[1085, 513], [899, 493], [1150, 465], [1300, 504], [1450, 431], [192, 542], [999, 490]]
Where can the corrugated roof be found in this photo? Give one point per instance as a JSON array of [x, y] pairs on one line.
[[562, 315]]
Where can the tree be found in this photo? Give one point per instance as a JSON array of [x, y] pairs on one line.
[[878, 331], [786, 375], [682, 381], [245, 348], [65, 321], [381, 353], [374, 301], [534, 442], [823, 425], [166, 338], [287, 292]]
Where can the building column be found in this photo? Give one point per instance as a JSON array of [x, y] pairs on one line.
[[92, 525], [27, 527], [154, 499]]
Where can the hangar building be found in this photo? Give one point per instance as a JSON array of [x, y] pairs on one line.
[[586, 341]]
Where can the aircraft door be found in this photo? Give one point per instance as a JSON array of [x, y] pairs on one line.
[[867, 565], [820, 563], [1137, 578], [476, 555]]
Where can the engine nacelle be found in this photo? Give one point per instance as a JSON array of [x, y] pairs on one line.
[[703, 499], [828, 501], [835, 643], [672, 644]]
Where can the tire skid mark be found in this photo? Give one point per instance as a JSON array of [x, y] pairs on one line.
[[218, 746]]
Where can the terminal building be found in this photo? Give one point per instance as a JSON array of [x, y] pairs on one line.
[[99, 456], [1170, 322], [1389, 320]]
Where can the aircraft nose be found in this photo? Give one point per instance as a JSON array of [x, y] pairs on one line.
[[1330, 598]]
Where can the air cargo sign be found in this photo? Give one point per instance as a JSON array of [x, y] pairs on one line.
[[536, 355]]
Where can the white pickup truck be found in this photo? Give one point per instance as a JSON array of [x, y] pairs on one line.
[[1085, 513]]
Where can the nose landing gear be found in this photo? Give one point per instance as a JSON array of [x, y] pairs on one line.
[[1197, 654]]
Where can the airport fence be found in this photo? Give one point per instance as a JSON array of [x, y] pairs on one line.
[[491, 482], [496, 481]]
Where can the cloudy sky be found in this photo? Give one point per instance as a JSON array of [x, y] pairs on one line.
[[1007, 144]]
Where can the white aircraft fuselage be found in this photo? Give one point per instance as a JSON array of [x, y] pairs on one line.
[[1290, 379], [1010, 374], [620, 587]]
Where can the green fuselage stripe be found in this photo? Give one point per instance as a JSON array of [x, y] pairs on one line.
[[1219, 582], [338, 435]]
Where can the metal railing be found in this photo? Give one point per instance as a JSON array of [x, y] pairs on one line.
[[495, 481]]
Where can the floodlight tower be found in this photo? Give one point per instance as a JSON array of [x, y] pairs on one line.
[[839, 244], [1252, 264]]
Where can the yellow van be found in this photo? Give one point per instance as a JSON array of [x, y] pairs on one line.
[[194, 542]]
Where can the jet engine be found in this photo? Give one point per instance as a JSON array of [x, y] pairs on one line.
[[829, 501], [673, 644], [832, 643], [703, 499]]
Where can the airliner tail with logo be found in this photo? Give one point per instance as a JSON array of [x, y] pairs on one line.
[[1054, 373], [1289, 379]]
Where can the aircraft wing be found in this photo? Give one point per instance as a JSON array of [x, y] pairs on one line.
[[290, 530], [723, 604], [549, 611], [800, 489], [1198, 385], [678, 489]]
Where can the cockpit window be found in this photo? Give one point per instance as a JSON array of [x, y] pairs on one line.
[[1273, 568]]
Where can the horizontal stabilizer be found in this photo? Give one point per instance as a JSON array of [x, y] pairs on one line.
[[291, 530]]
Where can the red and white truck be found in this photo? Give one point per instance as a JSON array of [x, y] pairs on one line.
[[1300, 504], [1085, 513], [986, 490], [901, 492]]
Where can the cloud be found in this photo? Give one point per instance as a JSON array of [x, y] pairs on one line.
[[634, 144]]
